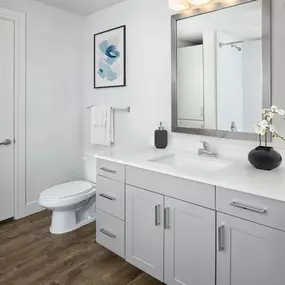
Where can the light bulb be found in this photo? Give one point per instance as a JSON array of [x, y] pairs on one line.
[[198, 2], [178, 5]]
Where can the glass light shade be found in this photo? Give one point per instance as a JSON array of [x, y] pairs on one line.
[[198, 2], [178, 5]]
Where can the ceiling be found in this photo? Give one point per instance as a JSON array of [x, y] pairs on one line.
[[82, 7], [243, 22]]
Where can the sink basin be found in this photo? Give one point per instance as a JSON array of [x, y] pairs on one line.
[[185, 162]]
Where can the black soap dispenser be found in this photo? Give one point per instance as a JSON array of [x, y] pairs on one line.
[[160, 137]]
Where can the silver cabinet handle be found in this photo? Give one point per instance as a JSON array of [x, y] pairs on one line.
[[221, 238], [107, 233], [157, 215], [108, 170], [247, 207], [167, 218], [6, 142], [106, 196]]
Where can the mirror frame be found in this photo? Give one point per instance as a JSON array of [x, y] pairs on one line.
[[266, 67]]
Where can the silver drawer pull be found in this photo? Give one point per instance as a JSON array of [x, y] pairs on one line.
[[108, 170], [6, 142], [106, 196], [249, 208], [105, 232], [167, 218], [157, 215], [221, 238]]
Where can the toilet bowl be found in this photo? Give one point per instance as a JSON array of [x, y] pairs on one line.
[[73, 205]]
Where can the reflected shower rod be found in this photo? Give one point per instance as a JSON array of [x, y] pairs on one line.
[[238, 42]]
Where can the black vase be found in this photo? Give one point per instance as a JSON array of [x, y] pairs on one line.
[[265, 158]]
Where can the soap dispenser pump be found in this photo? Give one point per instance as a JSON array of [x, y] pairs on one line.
[[160, 137]]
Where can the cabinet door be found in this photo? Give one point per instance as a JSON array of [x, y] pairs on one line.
[[189, 244], [144, 231], [249, 253]]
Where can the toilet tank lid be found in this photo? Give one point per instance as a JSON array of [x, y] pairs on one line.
[[74, 188]]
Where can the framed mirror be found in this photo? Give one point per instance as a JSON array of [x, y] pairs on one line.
[[221, 68]]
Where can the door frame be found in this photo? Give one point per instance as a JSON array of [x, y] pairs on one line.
[[19, 145]]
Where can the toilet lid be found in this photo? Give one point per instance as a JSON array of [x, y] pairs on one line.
[[75, 188]]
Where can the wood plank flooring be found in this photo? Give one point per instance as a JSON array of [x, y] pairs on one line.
[[30, 255]]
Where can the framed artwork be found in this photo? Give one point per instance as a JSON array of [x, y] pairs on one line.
[[110, 58]]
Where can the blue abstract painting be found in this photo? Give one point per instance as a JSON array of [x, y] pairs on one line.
[[110, 70]]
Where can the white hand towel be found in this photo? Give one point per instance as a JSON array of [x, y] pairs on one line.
[[102, 135], [111, 125], [99, 115]]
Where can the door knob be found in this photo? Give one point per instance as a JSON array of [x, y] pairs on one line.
[[6, 142]]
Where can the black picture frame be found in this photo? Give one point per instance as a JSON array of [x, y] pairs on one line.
[[124, 61]]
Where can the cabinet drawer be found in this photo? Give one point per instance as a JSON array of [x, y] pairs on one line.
[[110, 232], [250, 207], [110, 196], [179, 188], [111, 169]]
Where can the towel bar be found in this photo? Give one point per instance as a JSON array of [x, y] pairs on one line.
[[127, 109]]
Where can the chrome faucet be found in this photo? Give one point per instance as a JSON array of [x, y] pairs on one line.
[[207, 150]]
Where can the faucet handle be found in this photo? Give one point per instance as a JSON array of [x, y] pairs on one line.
[[206, 145]]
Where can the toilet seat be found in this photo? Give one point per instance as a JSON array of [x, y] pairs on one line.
[[67, 194], [67, 190]]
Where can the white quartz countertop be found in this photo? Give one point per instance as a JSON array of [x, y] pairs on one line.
[[238, 175]]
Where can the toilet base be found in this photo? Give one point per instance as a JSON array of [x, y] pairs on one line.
[[64, 222]]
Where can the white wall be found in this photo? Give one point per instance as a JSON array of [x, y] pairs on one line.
[[183, 43], [252, 84], [54, 96], [229, 84], [148, 89], [278, 60], [210, 79], [148, 69]]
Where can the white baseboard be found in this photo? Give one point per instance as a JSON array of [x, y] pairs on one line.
[[32, 208]]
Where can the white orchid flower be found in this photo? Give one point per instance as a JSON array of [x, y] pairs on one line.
[[269, 116], [263, 124], [258, 129], [261, 129], [272, 129], [281, 112]]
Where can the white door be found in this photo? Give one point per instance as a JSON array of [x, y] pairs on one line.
[[249, 253], [189, 244], [144, 231], [190, 84], [6, 119]]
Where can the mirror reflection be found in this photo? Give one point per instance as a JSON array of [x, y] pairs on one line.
[[219, 69]]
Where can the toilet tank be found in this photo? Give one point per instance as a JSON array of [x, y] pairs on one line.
[[90, 168]]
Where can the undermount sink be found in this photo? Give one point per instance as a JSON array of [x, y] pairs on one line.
[[185, 162]]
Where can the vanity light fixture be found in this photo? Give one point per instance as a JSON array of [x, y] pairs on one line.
[[199, 2], [178, 5]]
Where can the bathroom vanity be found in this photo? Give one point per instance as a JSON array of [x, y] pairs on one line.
[[166, 218], [187, 219]]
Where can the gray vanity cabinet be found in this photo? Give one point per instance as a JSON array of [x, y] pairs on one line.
[[172, 240], [249, 253], [189, 244], [144, 230]]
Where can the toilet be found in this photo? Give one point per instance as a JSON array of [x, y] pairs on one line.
[[73, 204]]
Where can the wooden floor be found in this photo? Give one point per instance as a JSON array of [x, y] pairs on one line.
[[30, 255]]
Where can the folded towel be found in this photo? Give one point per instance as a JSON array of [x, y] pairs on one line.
[[99, 115], [102, 135]]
